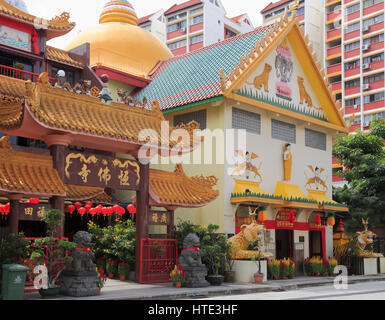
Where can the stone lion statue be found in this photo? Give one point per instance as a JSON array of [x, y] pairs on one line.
[[241, 241], [82, 256], [191, 255]]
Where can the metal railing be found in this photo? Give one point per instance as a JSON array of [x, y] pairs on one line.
[[21, 74]]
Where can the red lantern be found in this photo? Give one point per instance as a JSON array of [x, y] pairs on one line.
[[121, 210], [71, 208], [104, 211], [317, 219], [291, 216], [82, 211], [34, 200], [110, 210], [6, 210], [99, 209], [89, 203], [115, 208], [131, 209], [93, 211], [88, 208], [78, 205]]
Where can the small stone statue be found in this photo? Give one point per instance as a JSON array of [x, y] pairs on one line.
[[105, 93], [191, 261], [80, 279]]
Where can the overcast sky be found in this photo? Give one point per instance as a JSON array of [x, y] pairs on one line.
[[86, 12]]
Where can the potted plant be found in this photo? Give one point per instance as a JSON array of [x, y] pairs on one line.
[[52, 253], [273, 266], [229, 273], [102, 278], [316, 266], [292, 269], [258, 276], [213, 250], [112, 268], [332, 264], [123, 269], [178, 276]]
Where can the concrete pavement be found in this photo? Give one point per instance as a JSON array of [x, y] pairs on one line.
[[129, 290]]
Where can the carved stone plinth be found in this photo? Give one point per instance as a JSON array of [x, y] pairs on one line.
[[196, 277], [79, 284]]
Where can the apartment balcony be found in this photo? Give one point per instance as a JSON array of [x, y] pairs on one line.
[[375, 8], [353, 16], [176, 34], [352, 72], [375, 27], [352, 53], [352, 109], [352, 35], [337, 178], [376, 85], [333, 51], [353, 90], [334, 33], [196, 46], [179, 51], [374, 66], [196, 27], [333, 15], [21, 74], [333, 69], [374, 105], [376, 46], [336, 86], [348, 1], [354, 127]]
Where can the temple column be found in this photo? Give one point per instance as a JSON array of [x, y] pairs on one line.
[[14, 209], [142, 213], [170, 226], [58, 145]]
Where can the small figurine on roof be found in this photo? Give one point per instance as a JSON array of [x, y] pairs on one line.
[[105, 93]]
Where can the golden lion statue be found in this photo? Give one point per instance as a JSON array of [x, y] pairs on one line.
[[241, 241], [262, 79], [360, 241]]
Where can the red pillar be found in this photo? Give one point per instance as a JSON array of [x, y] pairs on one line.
[[142, 213]]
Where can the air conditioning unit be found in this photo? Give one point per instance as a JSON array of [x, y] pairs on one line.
[[367, 28], [365, 66], [355, 106], [366, 124], [366, 86], [365, 47], [183, 30]]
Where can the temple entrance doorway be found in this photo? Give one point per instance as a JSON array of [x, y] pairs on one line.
[[315, 243], [284, 243], [32, 229]]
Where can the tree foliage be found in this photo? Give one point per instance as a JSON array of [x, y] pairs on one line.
[[363, 157]]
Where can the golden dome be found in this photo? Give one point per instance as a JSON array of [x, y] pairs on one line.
[[118, 43]]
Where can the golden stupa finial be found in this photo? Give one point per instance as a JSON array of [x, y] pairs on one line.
[[119, 11]]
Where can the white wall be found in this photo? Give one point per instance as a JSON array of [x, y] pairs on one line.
[[213, 31], [314, 26], [158, 27]]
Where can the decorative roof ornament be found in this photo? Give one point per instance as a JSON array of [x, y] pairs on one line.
[[119, 11]]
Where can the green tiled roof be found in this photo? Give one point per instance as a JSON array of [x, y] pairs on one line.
[[194, 76]]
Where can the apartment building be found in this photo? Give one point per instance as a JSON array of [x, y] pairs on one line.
[[195, 24], [309, 16], [354, 59], [154, 23]]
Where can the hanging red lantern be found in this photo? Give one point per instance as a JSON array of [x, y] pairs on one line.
[[110, 210], [88, 208], [82, 211], [71, 208], [34, 200], [317, 219], [89, 203], [331, 220], [78, 205], [121, 211], [131, 209], [291, 216], [116, 208], [6, 209], [99, 209], [93, 211]]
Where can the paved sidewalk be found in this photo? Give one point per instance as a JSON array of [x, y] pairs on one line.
[[129, 290]]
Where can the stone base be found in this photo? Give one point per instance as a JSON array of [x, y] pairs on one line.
[[381, 265], [370, 266], [80, 285], [245, 269], [196, 277]]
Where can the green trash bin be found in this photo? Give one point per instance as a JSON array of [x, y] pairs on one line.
[[13, 281]]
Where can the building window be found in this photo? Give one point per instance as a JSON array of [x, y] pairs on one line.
[[352, 64], [352, 102], [196, 11], [249, 121], [177, 44], [374, 77], [301, 11], [352, 46], [197, 19], [369, 117], [176, 26], [352, 27], [369, 3], [69, 75], [198, 116], [374, 58], [352, 83], [177, 17], [352, 9], [373, 40], [229, 33], [283, 131], [315, 139], [196, 39], [357, 120], [373, 20], [374, 97]]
